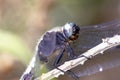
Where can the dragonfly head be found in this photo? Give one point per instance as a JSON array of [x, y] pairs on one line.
[[71, 31]]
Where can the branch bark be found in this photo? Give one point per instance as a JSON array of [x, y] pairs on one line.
[[99, 49]]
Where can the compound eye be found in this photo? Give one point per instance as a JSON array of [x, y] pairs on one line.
[[76, 29], [71, 24], [68, 29], [71, 29]]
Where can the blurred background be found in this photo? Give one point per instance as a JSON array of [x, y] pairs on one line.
[[22, 22]]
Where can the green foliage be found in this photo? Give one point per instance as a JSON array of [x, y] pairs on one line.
[[13, 45]]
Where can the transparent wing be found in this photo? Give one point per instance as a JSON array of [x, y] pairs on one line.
[[90, 36], [101, 66], [105, 66]]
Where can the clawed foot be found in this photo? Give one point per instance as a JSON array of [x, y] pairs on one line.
[[28, 77], [70, 73]]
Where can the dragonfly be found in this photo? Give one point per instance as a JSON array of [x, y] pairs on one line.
[[82, 38]]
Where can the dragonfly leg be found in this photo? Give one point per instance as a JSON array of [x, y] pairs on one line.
[[73, 75], [57, 60], [70, 52], [28, 76], [70, 73]]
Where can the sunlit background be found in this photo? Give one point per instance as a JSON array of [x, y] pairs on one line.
[[22, 22]]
